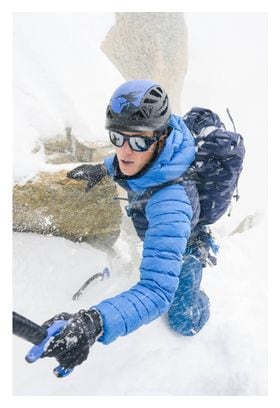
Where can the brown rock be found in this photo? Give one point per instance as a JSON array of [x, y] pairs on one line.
[[58, 144], [54, 204]]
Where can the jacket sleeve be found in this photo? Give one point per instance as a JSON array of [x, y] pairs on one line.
[[169, 216]]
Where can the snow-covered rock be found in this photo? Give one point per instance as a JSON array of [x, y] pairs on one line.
[[51, 203]]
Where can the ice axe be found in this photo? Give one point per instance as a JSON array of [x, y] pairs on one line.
[[40, 337]]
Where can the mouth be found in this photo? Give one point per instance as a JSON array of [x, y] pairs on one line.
[[126, 162]]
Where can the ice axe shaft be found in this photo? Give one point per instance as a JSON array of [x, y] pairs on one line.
[[28, 330]]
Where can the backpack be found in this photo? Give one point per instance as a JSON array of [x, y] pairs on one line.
[[218, 162]]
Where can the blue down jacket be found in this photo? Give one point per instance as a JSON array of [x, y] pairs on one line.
[[165, 224]]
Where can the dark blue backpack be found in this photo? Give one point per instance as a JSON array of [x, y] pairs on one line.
[[218, 162]]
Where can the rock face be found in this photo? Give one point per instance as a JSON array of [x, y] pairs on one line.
[[67, 148], [150, 46], [248, 222], [54, 204]]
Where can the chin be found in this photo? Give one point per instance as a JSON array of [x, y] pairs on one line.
[[128, 172]]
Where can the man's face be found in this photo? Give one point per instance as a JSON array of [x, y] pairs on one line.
[[131, 162]]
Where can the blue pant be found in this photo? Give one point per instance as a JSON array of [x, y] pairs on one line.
[[190, 308]]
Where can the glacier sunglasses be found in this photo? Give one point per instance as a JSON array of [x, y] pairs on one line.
[[136, 143]]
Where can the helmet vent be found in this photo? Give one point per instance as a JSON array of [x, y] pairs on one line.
[[148, 100], [147, 110], [157, 93], [109, 113], [137, 116], [164, 111]]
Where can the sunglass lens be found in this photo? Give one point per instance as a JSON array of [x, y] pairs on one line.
[[116, 138], [139, 144]]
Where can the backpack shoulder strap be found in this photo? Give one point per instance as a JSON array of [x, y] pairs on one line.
[[140, 199]]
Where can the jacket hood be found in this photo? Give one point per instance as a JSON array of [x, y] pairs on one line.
[[174, 159]]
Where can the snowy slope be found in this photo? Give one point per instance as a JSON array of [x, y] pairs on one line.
[[226, 358], [62, 77]]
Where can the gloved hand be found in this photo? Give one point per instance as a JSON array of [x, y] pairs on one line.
[[71, 346], [91, 173]]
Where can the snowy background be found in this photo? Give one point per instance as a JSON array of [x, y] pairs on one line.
[[61, 77]]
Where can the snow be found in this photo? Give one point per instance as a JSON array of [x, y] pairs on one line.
[[61, 77]]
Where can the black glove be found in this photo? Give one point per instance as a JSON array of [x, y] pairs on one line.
[[71, 346], [92, 174]]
